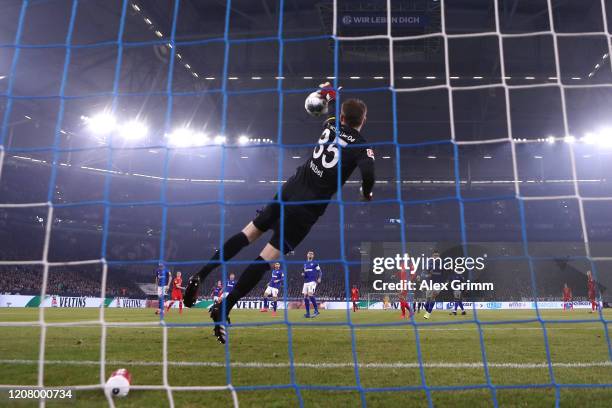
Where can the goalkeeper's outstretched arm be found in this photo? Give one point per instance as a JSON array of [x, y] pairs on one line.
[[328, 92], [331, 113], [368, 177]]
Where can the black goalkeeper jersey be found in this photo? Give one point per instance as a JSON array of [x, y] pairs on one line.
[[317, 178]]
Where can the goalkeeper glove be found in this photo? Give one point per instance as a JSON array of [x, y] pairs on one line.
[[328, 92]]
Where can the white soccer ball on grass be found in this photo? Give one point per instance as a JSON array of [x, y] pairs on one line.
[[118, 385]]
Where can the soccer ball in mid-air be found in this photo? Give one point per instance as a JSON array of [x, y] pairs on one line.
[[316, 104], [118, 385]]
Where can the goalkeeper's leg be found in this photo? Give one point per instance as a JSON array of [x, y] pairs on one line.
[[247, 281], [230, 249], [297, 223], [266, 219]]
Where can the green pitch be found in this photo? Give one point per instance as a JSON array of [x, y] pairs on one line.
[[323, 356]]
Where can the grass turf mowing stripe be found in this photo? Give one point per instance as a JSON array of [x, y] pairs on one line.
[[256, 364]]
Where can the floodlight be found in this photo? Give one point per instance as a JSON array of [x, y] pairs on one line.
[[182, 137], [590, 138], [604, 137], [199, 139], [133, 130], [101, 123]]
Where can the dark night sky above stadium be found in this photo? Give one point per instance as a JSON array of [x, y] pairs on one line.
[[480, 114]]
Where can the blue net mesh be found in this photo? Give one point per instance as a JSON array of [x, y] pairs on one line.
[[113, 146]]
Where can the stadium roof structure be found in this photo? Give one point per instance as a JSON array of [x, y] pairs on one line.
[[480, 114]]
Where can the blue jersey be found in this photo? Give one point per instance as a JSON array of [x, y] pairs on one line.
[[229, 285], [312, 271], [435, 270], [277, 279], [163, 276], [217, 291]]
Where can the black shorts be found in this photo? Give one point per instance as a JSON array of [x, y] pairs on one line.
[[298, 220]]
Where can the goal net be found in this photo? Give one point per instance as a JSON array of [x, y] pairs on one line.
[[520, 93]]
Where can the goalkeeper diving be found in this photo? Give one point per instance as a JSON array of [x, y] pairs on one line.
[[315, 180]]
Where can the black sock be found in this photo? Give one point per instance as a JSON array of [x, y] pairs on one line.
[[247, 281], [231, 247]]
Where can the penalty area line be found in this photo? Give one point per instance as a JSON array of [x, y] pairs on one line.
[[256, 364]]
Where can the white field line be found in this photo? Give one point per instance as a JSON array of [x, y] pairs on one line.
[[132, 387], [256, 364]]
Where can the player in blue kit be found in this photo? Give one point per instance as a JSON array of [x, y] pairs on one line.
[[273, 287], [435, 274], [457, 294], [217, 292], [312, 275], [229, 284], [162, 281]]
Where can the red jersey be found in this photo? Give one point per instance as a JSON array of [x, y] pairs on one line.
[[354, 294], [403, 277], [591, 285], [177, 283], [567, 293], [177, 293]]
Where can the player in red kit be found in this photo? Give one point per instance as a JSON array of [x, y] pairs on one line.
[[403, 277], [177, 293], [591, 287], [403, 295], [567, 297], [355, 297]]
